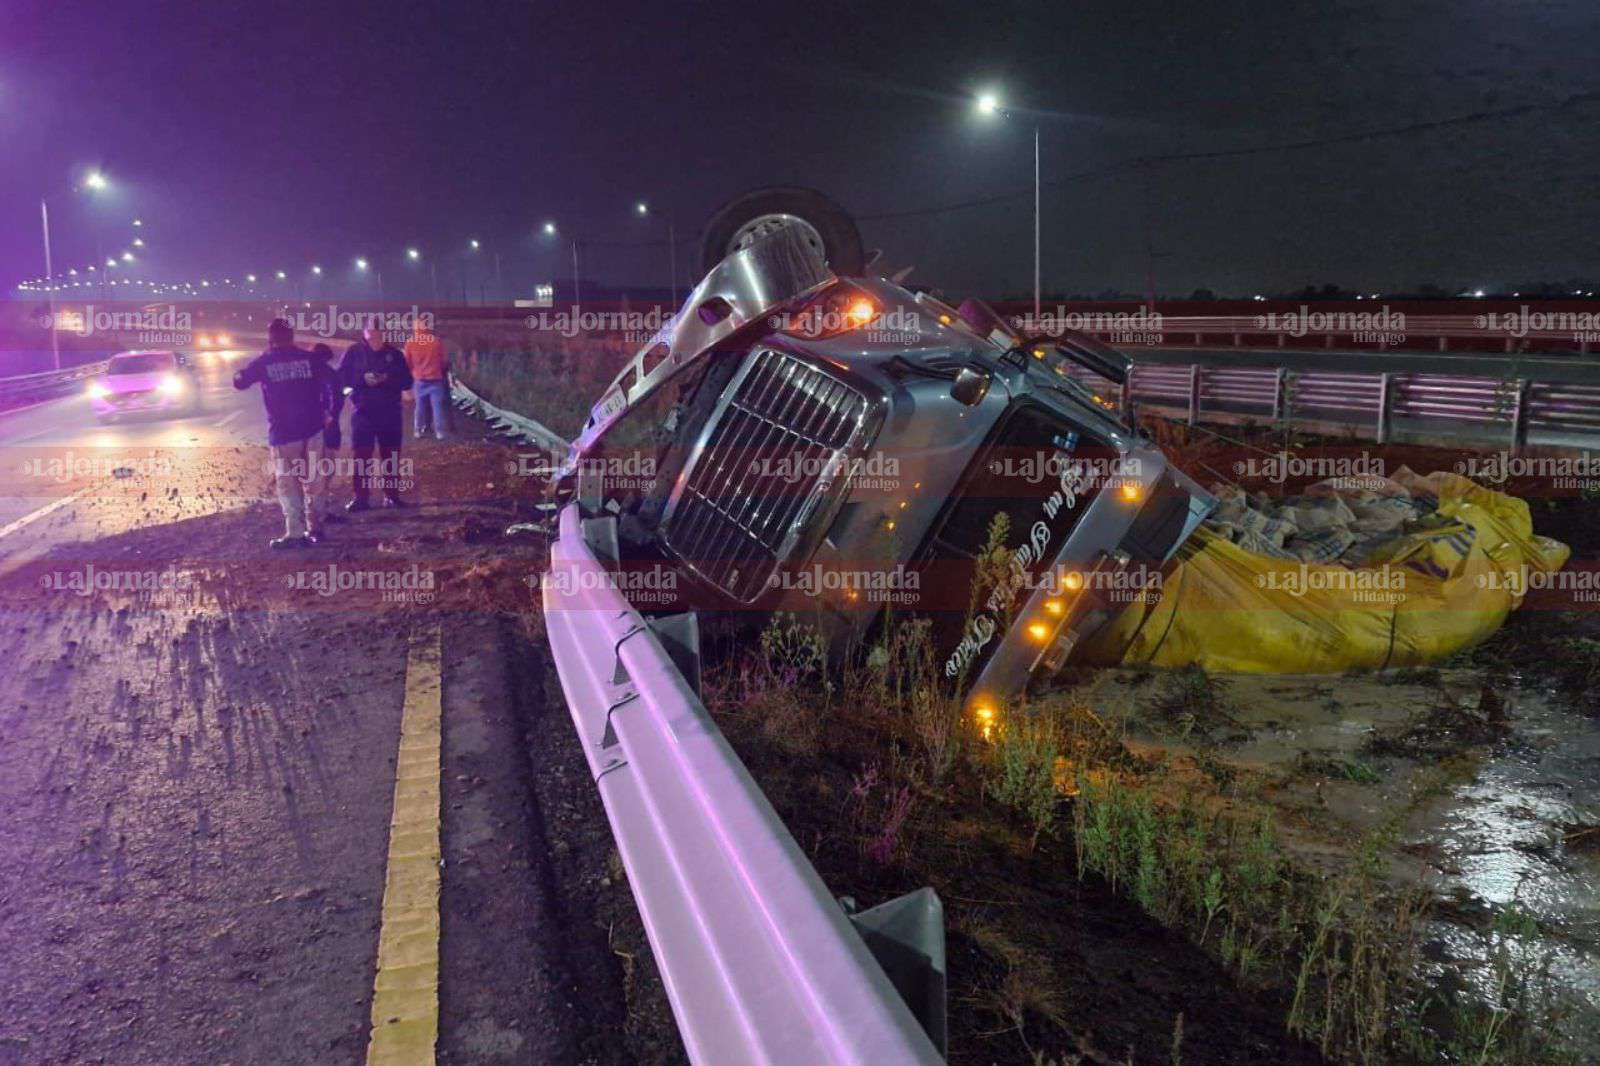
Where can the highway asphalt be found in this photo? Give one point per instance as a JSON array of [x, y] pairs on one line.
[[198, 741]]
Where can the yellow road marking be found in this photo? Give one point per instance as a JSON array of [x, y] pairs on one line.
[[405, 997]]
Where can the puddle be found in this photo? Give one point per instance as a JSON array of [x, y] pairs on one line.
[[1493, 789]]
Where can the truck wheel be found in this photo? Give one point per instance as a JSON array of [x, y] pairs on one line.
[[823, 224]]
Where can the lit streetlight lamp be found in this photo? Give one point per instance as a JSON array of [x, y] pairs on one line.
[[988, 104], [95, 181], [642, 209]]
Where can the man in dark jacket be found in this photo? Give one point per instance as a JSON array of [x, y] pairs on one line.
[[333, 436], [294, 387], [374, 374]]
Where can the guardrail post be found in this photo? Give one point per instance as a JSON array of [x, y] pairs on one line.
[[1382, 431], [1194, 394], [1519, 417], [1277, 394]]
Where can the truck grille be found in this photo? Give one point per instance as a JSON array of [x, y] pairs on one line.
[[770, 457]]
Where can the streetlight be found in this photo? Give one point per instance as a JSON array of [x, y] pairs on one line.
[[93, 180], [642, 209], [363, 265], [549, 229], [499, 283], [413, 255], [316, 270], [989, 105]]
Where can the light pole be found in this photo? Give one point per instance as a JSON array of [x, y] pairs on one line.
[[93, 180], [499, 281], [364, 266], [989, 104], [643, 209]]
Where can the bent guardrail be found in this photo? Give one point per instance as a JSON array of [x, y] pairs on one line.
[[509, 422], [760, 963]]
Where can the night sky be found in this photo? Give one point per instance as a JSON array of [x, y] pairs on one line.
[[267, 136]]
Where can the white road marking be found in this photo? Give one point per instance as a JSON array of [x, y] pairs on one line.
[[225, 419], [29, 436], [55, 505]]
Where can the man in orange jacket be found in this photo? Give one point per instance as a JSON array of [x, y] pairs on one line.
[[430, 369]]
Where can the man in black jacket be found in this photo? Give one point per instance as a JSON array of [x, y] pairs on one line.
[[295, 386], [332, 437], [374, 374]]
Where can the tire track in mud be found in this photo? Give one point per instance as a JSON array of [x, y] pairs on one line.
[[187, 877]]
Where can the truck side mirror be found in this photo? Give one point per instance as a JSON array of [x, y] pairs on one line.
[[970, 387]]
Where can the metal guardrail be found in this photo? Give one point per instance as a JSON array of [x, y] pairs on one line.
[[1314, 327], [31, 388], [1511, 403], [761, 964], [509, 422]]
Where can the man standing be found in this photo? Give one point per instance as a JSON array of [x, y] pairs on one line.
[[430, 368], [294, 388], [332, 437], [374, 374]]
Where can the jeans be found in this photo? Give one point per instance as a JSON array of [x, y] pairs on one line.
[[383, 437], [298, 473], [433, 408]]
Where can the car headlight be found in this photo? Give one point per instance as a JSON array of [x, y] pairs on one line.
[[224, 340], [171, 385], [98, 391]]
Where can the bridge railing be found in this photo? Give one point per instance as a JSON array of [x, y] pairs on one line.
[[1511, 403], [26, 389]]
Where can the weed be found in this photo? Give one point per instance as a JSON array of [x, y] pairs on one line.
[[1023, 774]]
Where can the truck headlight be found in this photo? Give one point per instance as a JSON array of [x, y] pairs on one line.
[[98, 391], [171, 385]]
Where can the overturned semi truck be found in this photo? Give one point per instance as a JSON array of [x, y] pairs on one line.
[[826, 441]]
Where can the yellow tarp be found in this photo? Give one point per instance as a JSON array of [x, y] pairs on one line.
[[1431, 594]]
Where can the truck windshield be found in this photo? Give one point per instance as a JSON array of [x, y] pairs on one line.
[[1041, 472]]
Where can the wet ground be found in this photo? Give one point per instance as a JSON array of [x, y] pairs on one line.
[[1490, 782], [197, 759]]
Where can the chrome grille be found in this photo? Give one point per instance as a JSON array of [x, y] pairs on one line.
[[771, 454]]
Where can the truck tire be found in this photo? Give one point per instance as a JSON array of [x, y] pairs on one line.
[[825, 225]]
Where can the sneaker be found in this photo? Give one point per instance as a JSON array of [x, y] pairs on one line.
[[282, 543], [357, 505], [315, 538]]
